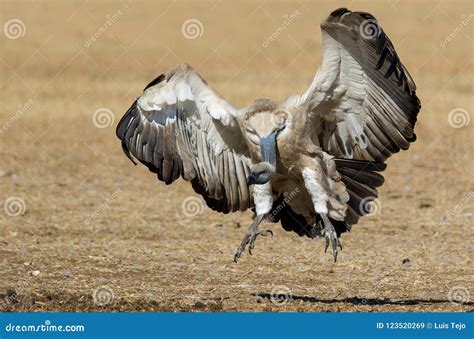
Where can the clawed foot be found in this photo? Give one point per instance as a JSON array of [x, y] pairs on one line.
[[330, 236], [250, 236]]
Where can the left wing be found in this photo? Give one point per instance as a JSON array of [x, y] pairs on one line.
[[361, 106], [362, 102]]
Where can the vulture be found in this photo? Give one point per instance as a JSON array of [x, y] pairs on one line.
[[310, 161]]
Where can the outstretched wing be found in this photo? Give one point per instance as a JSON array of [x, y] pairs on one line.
[[362, 101], [180, 126], [361, 105]]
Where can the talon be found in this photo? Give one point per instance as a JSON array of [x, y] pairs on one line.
[[330, 236], [264, 233], [237, 255], [251, 245], [326, 245], [250, 236], [334, 251]]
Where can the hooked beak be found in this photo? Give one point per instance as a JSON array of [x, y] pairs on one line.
[[262, 172], [268, 149]]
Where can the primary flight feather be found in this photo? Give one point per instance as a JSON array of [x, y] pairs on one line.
[[311, 161]]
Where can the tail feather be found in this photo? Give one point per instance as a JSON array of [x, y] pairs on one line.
[[361, 179], [294, 222]]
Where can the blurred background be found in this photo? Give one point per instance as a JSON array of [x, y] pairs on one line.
[[81, 228]]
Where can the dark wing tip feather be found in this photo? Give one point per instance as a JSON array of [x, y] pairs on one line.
[[361, 165], [155, 81], [384, 47], [387, 55], [339, 12], [131, 113], [121, 130]]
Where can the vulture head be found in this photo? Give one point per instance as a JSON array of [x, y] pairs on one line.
[[265, 126]]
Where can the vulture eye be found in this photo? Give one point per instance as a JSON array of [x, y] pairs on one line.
[[253, 137], [251, 131]]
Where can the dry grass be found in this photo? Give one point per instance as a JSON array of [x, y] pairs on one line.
[[141, 245]]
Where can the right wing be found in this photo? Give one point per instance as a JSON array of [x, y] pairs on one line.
[[180, 126]]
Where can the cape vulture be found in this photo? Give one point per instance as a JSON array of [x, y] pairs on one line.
[[310, 162]]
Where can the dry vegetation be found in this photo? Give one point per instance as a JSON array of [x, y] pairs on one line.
[[93, 219]]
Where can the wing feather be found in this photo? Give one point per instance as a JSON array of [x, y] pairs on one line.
[[180, 126], [365, 84], [361, 106]]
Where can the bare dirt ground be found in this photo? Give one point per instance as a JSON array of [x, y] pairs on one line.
[[80, 221]]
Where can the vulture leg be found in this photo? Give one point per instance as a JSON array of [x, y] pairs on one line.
[[317, 185], [329, 233], [263, 198], [250, 236]]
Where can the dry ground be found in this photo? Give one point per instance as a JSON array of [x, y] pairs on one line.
[[92, 219]]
